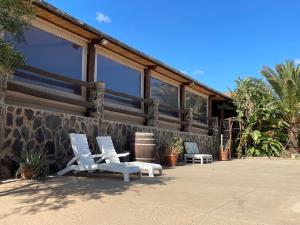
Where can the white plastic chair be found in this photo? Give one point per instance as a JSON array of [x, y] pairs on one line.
[[111, 157], [85, 160], [192, 154]]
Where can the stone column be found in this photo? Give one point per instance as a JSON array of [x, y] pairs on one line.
[[3, 87], [188, 119], [153, 113], [97, 98]]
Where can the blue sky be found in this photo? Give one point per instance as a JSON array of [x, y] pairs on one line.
[[214, 41]]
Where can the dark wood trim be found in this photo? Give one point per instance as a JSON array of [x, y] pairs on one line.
[[200, 126], [56, 76], [147, 82], [171, 120], [123, 95], [209, 109], [170, 108], [182, 94], [90, 70], [125, 111], [147, 86], [91, 60], [43, 93]]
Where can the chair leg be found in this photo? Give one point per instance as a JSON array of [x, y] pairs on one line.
[[160, 172], [151, 173], [184, 159], [126, 177], [65, 170], [201, 160]]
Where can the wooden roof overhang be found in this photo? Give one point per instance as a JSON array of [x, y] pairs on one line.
[[55, 16]]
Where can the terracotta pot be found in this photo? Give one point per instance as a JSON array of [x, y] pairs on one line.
[[223, 155], [171, 160], [27, 173]]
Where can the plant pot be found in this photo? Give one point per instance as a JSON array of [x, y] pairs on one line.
[[26, 173], [223, 155], [171, 160]]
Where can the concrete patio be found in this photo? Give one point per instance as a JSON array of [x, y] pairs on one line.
[[240, 192]]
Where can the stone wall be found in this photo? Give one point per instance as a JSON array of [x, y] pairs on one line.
[[49, 131], [41, 130]]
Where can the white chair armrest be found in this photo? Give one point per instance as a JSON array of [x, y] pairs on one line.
[[103, 157], [72, 161], [97, 156], [123, 154], [100, 160]]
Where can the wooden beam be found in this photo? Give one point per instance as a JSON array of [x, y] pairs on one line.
[[90, 69], [44, 73], [123, 95], [182, 100], [125, 111], [209, 106], [209, 110], [45, 93], [91, 60], [182, 96], [147, 86], [147, 82], [221, 118]]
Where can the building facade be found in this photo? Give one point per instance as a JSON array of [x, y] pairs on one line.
[[75, 72]]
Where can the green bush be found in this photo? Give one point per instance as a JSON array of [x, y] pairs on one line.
[[264, 145], [260, 117]]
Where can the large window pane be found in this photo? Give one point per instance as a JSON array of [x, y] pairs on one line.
[[167, 95], [199, 106], [51, 53], [120, 78]]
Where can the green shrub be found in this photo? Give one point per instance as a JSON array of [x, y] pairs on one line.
[[35, 160], [264, 145]]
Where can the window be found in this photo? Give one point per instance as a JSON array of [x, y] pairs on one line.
[[167, 95], [199, 106], [51, 53], [120, 78]]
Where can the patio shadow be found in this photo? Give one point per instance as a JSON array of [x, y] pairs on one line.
[[58, 192]]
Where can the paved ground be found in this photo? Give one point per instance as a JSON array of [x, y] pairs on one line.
[[240, 192]]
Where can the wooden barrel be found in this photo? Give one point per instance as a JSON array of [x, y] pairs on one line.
[[143, 147]]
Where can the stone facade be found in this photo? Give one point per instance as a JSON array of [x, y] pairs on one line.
[[188, 118], [49, 131], [153, 113], [97, 98], [27, 128], [3, 86]]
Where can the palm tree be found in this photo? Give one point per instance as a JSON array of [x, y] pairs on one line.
[[285, 81]]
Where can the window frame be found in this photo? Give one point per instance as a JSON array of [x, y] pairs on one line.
[[121, 60], [62, 33], [193, 91], [167, 80]]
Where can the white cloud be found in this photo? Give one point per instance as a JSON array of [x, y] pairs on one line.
[[183, 71], [102, 18], [198, 72], [297, 61]]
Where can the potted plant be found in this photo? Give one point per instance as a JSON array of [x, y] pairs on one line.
[[32, 165], [174, 149], [223, 155]]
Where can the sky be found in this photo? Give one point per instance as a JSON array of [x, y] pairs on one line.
[[213, 41]]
